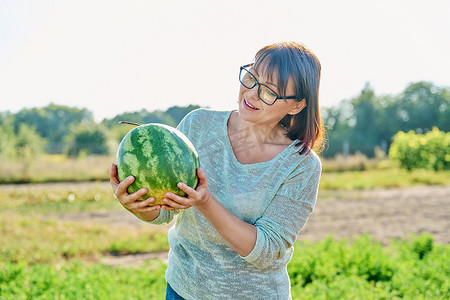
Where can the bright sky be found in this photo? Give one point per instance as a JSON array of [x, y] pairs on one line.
[[112, 56]]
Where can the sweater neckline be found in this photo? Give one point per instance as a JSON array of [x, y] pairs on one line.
[[230, 148]]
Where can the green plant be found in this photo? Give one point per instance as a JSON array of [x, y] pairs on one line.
[[423, 244], [422, 151]]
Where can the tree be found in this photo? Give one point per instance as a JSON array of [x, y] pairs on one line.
[[88, 138], [422, 106], [338, 121], [170, 117], [365, 134], [29, 145], [52, 122], [141, 117], [367, 120], [178, 112], [8, 142]]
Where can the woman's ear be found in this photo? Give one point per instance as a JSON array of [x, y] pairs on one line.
[[298, 108]]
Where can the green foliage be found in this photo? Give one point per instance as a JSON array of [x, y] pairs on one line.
[[171, 117], [368, 121], [329, 269], [52, 122], [62, 129], [8, 142], [31, 200], [77, 280], [41, 255], [24, 147], [178, 112], [141, 117], [28, 142], [32, 239], [56, 168], [422, 151], [366, 269], [87, 138], [422, 245], [381, 178], [423, 106]]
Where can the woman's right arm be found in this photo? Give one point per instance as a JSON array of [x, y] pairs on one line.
[[139, 208]]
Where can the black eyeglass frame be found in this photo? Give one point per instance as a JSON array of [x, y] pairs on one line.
[[259, 86]]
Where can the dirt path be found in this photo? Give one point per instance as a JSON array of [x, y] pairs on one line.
[[385, 214]]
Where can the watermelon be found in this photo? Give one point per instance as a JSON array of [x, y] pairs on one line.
[[158, 156]]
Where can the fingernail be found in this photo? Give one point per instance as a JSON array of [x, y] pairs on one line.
[[130, 177], [180, 185]]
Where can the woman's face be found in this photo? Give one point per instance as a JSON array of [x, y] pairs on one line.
[[253, 110]]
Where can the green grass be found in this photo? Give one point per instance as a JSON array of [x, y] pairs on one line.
[[354, 173], [29, 240], [44, 257], [58, 198], [56, 168], [79, 280], [385, 178], [414, 268]]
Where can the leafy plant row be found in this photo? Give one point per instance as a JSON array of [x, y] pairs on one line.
[[363, 269]]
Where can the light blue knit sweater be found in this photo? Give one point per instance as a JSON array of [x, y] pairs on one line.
[[276, 196]]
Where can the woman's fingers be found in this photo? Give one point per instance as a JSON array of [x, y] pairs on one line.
[[203, 182], [113, 179], [122, 188], [175, 201], [201, 175], [131, 198], [185, 188], [143, 205]]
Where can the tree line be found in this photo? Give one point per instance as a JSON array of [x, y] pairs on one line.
[[59, 129], [369, 121], [360, 124]]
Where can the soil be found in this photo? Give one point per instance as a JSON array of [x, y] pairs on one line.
[[384, 214]]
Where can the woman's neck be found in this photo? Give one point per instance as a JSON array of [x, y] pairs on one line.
[[267, 133]]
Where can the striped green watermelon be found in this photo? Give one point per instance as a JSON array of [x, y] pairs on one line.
[[158, 156]]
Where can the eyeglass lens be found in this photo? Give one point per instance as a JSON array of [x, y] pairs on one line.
[[264, 93]]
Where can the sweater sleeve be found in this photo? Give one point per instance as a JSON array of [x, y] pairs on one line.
[[280, 224]]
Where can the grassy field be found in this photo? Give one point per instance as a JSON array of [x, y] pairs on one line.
[[356, 172], [44, 256], [406, 269]]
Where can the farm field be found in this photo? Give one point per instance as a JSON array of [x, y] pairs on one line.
[[383, 213], [79, 233]]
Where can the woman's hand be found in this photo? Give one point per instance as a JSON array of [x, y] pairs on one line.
[[140, 208], [198, 197]]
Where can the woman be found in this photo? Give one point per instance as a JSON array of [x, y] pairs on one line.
[[259, 177]]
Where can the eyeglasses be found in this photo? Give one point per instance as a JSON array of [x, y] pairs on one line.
[[265, 93]]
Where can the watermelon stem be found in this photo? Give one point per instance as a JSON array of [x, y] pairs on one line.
[[130, 123]]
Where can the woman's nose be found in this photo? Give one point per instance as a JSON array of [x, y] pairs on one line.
[[253, 92]]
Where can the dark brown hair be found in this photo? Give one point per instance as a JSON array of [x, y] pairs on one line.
[[294, 60]]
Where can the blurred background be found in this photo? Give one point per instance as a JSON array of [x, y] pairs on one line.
[[71, 70]]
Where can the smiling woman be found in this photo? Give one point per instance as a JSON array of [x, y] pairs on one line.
[[258, 183]]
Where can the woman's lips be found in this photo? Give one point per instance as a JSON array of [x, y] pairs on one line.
[[248, 105]]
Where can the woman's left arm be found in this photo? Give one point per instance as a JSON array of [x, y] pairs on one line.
[[275, 231], [240, 235]]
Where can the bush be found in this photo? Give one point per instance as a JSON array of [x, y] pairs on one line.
[[422, 151]]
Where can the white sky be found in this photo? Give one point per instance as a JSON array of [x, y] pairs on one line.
[[113, 56]]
